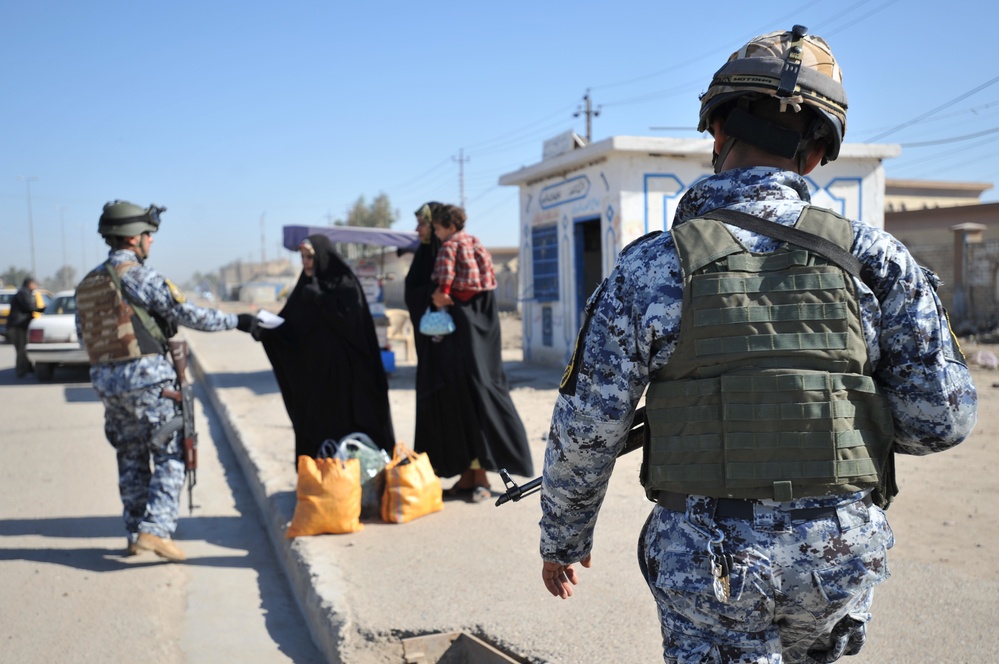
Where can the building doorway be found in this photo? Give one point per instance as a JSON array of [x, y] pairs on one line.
[[589, 262]]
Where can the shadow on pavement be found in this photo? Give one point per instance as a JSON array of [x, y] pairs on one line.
[[68, 374]]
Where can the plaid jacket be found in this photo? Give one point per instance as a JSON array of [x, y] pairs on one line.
[[464, 265]]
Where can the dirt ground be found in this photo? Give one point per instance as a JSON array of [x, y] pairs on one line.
[[946, 508], [946, 511]]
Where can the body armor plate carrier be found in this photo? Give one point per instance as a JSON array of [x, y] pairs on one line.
[[115, 330], [768, 394]]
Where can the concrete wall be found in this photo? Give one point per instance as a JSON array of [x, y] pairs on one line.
[[982, 311], [973, 308]]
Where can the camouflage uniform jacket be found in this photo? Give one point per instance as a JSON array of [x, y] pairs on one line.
[[634, 323], [145, 286]]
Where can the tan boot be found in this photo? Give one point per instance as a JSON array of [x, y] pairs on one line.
[[131, 550], [164, 548]]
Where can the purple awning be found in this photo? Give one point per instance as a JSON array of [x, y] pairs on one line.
[[383, 237]]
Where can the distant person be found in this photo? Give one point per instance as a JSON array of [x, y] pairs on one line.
[[786, 353], [22, 309], [466, 420], [126, 312], [326, 357]]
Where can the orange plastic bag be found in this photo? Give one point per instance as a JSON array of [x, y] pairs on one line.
[[412, 489], [329, 497]]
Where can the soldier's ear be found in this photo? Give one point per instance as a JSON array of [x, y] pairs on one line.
[[815, 156]]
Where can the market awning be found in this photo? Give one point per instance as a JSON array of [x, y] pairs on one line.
[[383, 237]]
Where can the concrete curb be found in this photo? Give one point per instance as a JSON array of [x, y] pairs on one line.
[[318, 595]]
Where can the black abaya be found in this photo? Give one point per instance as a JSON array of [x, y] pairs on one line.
[[463, 405], [326, 358]]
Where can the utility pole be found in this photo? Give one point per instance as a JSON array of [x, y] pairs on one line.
[[31, 224], [62, 231], [589, 112], [461, 159]]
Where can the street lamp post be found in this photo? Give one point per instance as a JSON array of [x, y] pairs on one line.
[[31, 225], [62, 231], [83, 248]]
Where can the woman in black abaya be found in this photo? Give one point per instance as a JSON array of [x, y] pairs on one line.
[[326, 357], [465, 419]]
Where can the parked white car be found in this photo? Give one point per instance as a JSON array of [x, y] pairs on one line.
[[52, 339]]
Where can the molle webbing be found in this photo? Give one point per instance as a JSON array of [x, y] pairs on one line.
[[108, 321], [767, 393]]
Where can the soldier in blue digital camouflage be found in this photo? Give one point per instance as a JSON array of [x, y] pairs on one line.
[[784, 366], [126, 312]]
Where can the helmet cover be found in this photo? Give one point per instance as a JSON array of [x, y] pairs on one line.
[[796, 68]]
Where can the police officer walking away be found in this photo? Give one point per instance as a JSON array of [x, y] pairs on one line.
[[788, 353], [126, 312]]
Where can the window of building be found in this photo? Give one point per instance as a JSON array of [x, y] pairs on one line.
[[544, 241]]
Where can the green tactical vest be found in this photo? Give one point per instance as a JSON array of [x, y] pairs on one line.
[[768, 393]]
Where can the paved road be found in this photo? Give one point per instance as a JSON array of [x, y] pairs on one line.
[[67, 594], [470, 568]]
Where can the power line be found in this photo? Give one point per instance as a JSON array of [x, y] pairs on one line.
[[723, 49], [859, 18], [947, 104], [461, 159], [952, 139], [422, 175], [478, 147], [937, 156]]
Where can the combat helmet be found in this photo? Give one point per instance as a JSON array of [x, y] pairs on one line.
[[798, 70], [125, 219]]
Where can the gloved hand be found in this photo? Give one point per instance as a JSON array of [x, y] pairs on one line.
[[247, 323]]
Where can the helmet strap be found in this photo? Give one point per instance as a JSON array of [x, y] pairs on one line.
[[718, 158], [139, 250]]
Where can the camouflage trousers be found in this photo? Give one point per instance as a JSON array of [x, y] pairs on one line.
[[150, 476], [800, 591]]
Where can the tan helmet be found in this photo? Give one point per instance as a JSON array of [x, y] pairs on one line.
[[797, 69]]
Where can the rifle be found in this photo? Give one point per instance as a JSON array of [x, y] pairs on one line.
[[514, 492], [178, 353]]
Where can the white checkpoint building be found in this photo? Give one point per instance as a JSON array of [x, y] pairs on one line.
[[581, 204]]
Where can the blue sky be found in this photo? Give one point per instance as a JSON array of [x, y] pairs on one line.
[[229, 113]]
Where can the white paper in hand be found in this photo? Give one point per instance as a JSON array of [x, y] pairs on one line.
[[267, 320]]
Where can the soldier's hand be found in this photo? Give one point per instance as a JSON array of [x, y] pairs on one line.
[[559, 579], [246, 323]]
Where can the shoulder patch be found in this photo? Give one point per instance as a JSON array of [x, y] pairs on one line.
[[567, 387], [176, 293]]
